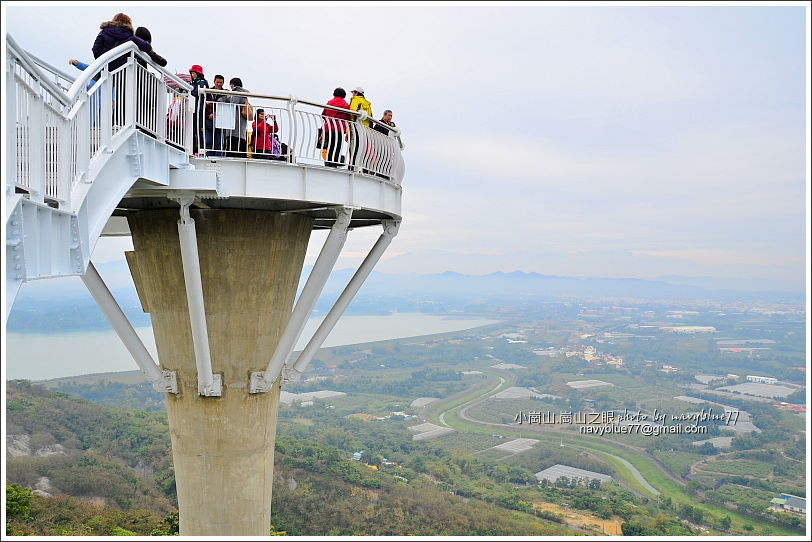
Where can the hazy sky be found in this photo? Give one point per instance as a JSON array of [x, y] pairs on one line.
[[582, 140]]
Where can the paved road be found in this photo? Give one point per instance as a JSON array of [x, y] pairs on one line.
[[477, 400], [635, 473], [463, 414]]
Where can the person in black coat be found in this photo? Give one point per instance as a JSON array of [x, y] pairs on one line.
[[146, 35], [114, 33], [198, 81], [148, 87]]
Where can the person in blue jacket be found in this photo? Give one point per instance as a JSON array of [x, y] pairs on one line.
[[79, 65], [95, 104]]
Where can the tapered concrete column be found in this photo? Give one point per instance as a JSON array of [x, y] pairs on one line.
[[223, 447]]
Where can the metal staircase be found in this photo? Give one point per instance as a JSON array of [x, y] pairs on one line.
[[72, 155]]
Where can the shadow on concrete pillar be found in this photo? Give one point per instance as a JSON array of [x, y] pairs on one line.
[[223, 447]]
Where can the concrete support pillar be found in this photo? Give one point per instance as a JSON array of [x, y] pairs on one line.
[[223, 447]]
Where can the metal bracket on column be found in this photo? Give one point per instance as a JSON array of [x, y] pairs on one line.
[[162, 381], [390, 230], [262, 381], [168, 383], [208, 384]]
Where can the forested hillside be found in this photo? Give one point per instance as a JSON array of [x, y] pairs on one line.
[[79, 468]]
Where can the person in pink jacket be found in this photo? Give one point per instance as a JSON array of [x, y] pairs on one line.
[[266, 146], [335, 126]]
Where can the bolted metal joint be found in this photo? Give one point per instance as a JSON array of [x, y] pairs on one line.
[[168, 383], [343, 217], [258, 384], [215, 389], [290, 374], [390, 227], [185, 201]]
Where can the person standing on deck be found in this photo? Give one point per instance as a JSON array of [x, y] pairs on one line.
[[335, 126], [198, 81]]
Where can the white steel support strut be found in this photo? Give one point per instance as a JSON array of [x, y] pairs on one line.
[[390, 230], [208, 384], [162, 381], [262, 382]]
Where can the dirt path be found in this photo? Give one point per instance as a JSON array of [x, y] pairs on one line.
[[584, 520]]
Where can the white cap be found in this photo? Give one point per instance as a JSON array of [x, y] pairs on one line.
[[359, 90]]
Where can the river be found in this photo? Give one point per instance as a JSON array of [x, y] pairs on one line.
[[41, 356]]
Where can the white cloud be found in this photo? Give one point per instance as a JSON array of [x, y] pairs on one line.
[[539, 136]]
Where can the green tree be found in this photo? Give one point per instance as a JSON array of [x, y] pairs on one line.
[[18, 501], [170, 525], [692, 487], [633, 528]]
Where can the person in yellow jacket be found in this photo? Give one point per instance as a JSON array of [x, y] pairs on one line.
[[358, 103]]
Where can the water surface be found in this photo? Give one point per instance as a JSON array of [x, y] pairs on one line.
[[40, 356]]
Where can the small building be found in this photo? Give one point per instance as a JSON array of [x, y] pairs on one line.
[[557, 471], [789, 503], [688, 329], [762, 379]]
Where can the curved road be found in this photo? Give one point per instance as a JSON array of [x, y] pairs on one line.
[[465, 407], [476, 401]]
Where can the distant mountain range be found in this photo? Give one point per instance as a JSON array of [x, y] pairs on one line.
[[64, 304]]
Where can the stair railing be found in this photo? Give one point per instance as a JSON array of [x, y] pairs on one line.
[[57, 139]]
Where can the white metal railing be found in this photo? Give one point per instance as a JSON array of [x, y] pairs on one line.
[[61, 125], [60, 78], [60, 134], [295, 132]]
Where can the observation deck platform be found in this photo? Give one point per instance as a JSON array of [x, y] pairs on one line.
[[235, 183], [86, 152]]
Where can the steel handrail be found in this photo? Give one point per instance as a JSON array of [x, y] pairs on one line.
[[173, 77], [28, 63], [373, 152], [95, 67], [98, 65], [356, 114], [53, 69]]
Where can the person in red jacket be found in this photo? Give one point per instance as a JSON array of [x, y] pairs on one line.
[[335, 126], [266, 146]]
